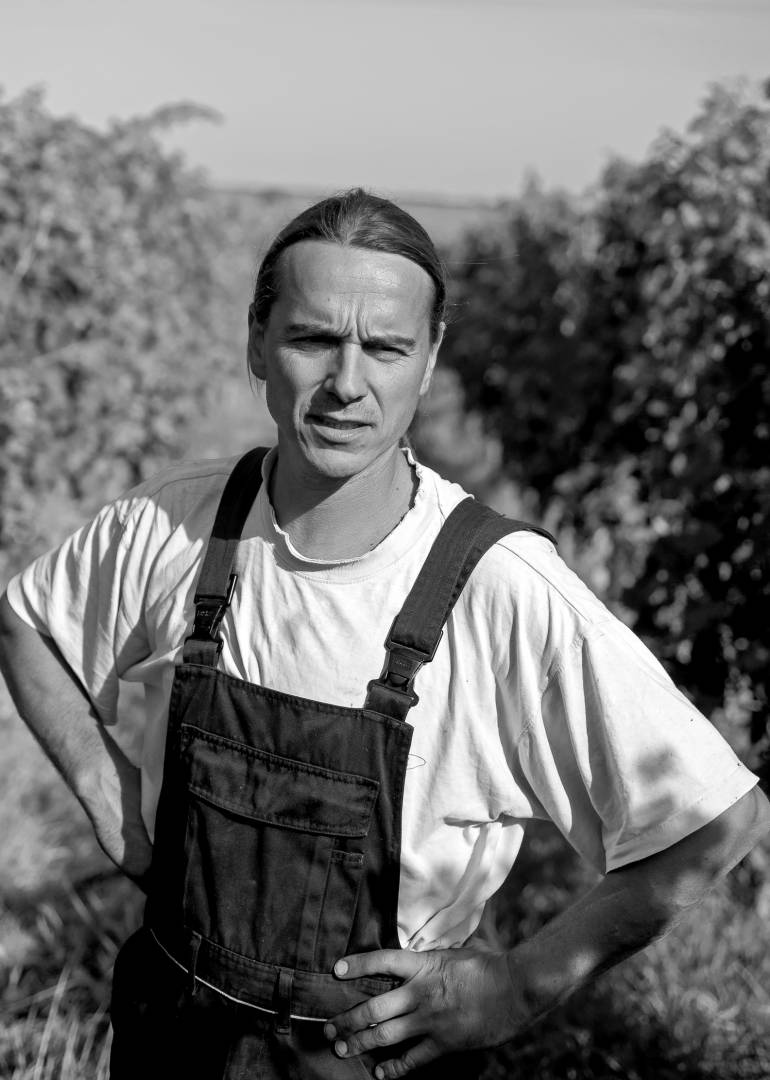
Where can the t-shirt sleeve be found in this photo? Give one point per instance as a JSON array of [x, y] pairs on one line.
[[619, 759], [78, 596]]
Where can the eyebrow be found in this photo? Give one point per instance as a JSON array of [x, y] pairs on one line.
[[299, 329]]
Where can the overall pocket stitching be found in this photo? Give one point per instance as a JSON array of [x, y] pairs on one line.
[[299, 825], [267, 756]]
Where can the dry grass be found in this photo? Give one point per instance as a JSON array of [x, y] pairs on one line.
[[63, 913], [695, 1006], [55, 976], [52, 1041]]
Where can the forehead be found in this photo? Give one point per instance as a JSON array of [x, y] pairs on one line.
[[319, 279]]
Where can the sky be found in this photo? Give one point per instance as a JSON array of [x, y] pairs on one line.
[[457, 98]]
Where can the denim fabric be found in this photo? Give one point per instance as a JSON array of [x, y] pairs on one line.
[[162, 1031], [277, 841]]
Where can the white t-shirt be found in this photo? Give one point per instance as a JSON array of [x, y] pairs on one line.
[[539, 703]]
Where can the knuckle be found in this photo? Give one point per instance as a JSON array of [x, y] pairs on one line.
[[356, 1020], [403, 1065], [443, 990], [371, 1012], [347, 1025], [408, 1061], [380, 1035]]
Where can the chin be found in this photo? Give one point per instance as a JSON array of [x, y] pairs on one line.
[[335, 462]]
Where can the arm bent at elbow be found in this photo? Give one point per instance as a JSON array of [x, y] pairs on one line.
[[53, 704], [636, 904], [458, 999]]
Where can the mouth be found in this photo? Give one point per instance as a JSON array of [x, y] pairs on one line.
[[333, 422], [335, 428]]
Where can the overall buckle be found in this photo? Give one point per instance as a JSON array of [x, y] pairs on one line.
[[402, 665], [209, 611]]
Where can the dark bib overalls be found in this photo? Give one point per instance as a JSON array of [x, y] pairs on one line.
[[277, 837]]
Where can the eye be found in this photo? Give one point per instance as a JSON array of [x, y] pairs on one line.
[[315, 341], [384, 350]]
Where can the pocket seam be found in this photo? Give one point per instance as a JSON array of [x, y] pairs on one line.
[[295, 825], [338, 811], [293, 763]]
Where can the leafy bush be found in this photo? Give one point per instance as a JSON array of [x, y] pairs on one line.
[[109, 314], [684, 253], [619, 352]]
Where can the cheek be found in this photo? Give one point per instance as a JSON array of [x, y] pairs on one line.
[[286, 386], [401, 399]]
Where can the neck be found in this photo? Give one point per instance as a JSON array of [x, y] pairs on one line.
[[327, 518]]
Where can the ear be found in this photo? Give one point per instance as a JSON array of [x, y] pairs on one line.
[[432, 357], [255, 348]]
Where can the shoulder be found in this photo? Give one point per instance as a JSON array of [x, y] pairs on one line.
[[531, 603], [174, 495], [520, 588], [522, 563], [522, 566], [530, 567]]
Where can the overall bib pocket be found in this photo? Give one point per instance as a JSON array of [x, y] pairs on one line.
[[274, 851]]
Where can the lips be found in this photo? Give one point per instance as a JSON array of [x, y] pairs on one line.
[[336, 423], [336, 430]]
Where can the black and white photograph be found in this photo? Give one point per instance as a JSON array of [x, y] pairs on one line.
[[384, 515]]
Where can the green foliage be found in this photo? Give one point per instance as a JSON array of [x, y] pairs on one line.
[[684, 254], [107, 312], [620, 351], [512, 336]]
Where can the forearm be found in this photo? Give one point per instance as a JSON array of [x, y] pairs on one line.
[[459, 999], [602, 928], [50, 700], [630, 908], [58, 712]]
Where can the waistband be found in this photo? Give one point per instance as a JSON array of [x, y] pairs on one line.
[[303, 995]]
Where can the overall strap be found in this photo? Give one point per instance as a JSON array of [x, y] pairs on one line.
[[469, 531], [216, 583]]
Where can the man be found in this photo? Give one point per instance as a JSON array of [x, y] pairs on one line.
[[319, 863]]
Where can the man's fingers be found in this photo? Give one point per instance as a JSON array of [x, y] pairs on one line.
[[413, 1058], [400, 962], [390, 1033], [376, 1010], [442, 1003]]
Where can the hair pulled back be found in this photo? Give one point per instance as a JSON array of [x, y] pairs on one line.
[[355, 218]]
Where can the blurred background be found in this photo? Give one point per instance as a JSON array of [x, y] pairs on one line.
[[597, 175]]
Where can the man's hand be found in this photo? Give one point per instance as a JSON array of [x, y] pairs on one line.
[[450, 1000]]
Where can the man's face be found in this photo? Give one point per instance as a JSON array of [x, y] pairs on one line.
[[345, 355]]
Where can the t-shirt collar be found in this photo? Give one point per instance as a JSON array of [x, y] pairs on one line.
[[398, 542]]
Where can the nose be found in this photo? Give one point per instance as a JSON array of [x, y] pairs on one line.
[[346, 378]]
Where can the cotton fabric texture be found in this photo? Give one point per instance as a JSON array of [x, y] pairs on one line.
[[539, 703]]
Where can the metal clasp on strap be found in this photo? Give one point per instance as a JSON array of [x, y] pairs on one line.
[[402, 665], [209, 612], [393, 693]]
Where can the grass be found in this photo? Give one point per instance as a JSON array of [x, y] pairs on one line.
[[54, 992], [63, 913], [695, 1006]]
